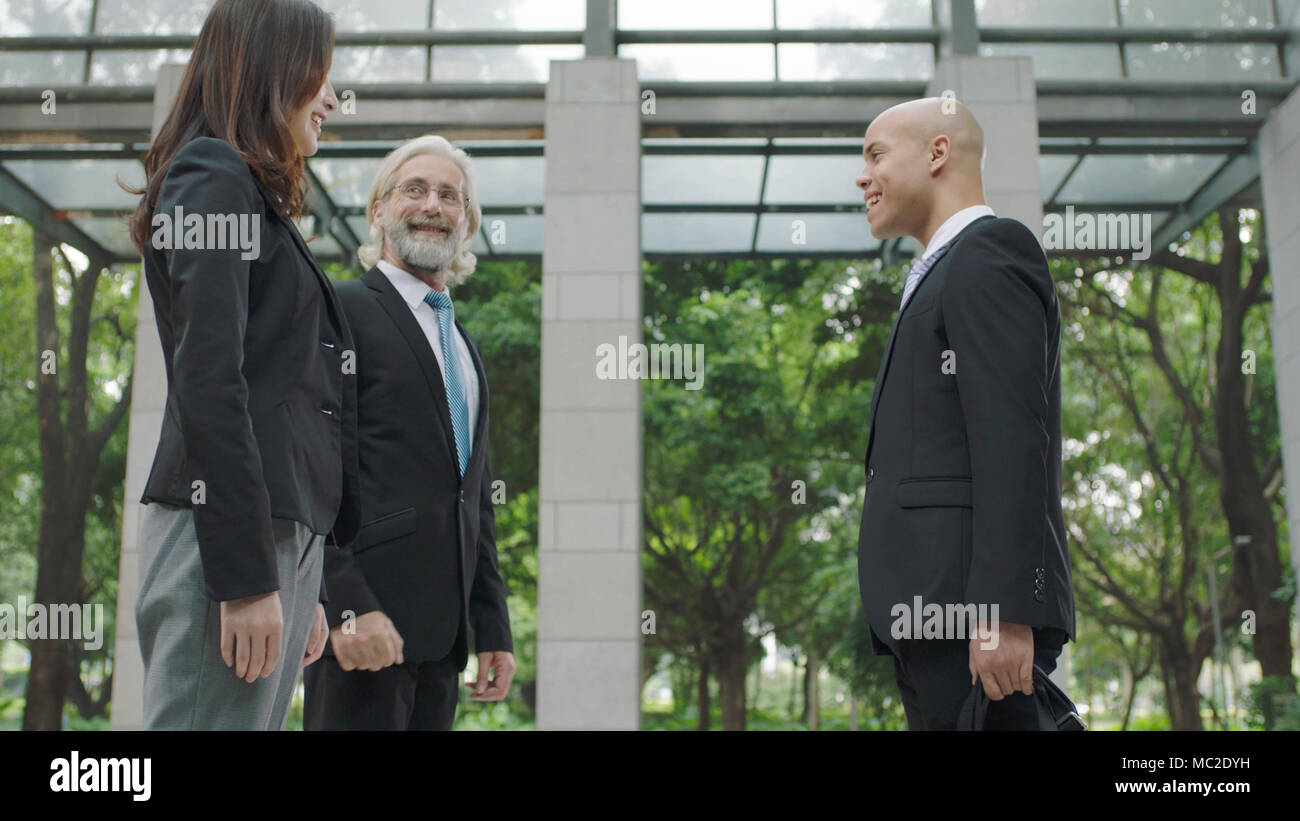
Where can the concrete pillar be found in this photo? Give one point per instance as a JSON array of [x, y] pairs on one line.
[[148, 400], [1279, 171], [1000, 92], [589, 512]]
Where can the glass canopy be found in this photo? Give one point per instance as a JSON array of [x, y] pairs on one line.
[[709, 185]]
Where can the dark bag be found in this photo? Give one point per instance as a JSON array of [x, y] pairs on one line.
[[1055, 710]]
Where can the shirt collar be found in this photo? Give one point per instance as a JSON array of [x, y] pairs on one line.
[[953, 226], [411, 288]]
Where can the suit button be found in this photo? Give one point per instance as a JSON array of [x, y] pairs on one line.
[[871, 474], [461, 495]]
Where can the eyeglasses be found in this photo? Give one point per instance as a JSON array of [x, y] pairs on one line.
[[449, 197]]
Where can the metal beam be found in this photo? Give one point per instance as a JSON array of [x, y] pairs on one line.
[[421, 37], [962, 36], [1119, 34], [17, 199], [600, 25], [1231, 179], [328, 216], [598, 39], [777, 36]]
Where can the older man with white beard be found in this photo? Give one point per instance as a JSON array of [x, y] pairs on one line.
[[422, 571]]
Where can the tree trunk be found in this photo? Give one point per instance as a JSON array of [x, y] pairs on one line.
[[70, 451], [1257, 568], [733, 664], [794, 685], [702, 697], [1179, 669], [1129, 698], [812, 697]]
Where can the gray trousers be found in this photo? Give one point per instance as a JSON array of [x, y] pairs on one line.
[[187, 685]]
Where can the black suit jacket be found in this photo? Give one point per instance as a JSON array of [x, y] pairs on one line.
[[963, 500], [258, 407], [426, 550]]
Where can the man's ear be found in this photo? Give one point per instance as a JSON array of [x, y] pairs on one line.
[[939, 152]]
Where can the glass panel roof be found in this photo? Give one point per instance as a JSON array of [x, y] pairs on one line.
[[110, 232], [844, 233], [677, 186], [322, 245], [358, 225], [514, 233], [1063, 61], [151, 16], [382, 15], [1052, 168], [499, 64], [707, 180], [30, 17], [696, 233], [347, 180], [803, 14], [855, 61], [1079, 13], [1197, 13], [693, 14], [1202, 61], [702, 61], [1145, 178], [510, 180], [80, 184], [379, 64], [821, 179], [703, 194], [28, 68], [132, 68], [529, 15]]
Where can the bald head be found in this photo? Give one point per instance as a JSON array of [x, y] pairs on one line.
[[933, 117], [923, 163]]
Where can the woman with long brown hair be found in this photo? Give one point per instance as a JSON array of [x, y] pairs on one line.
[[256, 460]]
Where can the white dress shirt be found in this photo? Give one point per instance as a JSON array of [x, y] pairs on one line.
[[951, 228], [412, 290]]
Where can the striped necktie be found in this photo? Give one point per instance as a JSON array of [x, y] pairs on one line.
[[919, 269], [441, 303]]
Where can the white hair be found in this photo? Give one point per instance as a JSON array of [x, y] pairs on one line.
[[462, 265]]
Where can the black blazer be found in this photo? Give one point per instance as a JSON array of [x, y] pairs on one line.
[[963, 500], [258, 406], [426, 551]]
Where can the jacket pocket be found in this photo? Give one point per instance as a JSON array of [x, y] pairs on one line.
[[935, 491], [386, 528]]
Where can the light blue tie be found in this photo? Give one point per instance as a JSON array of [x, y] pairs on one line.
[[456, 403], [919, 269]]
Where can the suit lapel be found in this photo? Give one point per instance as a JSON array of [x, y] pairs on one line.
[[893, 332], [400, 313]]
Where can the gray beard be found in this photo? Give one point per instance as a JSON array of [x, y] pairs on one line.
[[428, 252]]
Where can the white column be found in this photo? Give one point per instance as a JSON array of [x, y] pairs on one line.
[[148, 400], [1000, 92], [589, 512], [1279, 173]]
